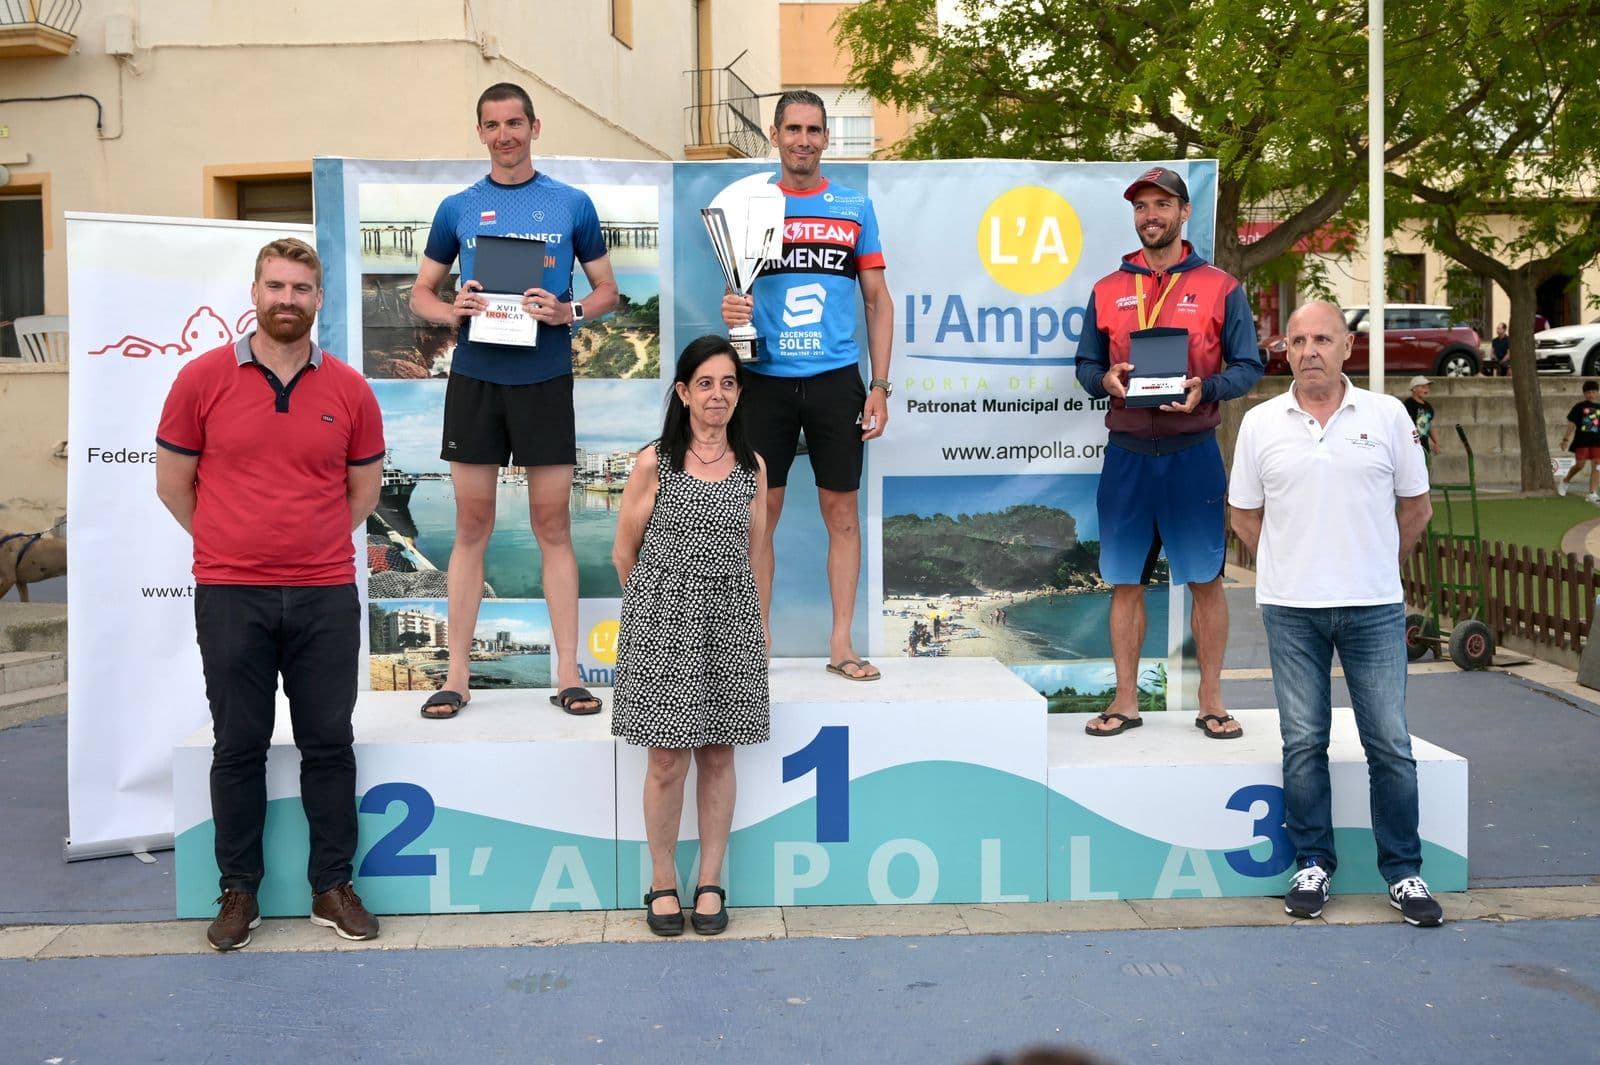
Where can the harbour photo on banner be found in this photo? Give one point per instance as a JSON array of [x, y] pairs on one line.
[[374, 219]]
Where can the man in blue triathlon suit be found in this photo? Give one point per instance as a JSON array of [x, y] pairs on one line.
[[510, 405], [808, 377]]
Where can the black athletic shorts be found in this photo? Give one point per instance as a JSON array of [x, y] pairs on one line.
[[826, 408], [509, 425]]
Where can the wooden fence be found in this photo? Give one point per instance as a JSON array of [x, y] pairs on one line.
[[1534, 598], [1535, 601]]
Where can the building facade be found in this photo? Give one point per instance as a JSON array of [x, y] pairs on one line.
[[216, 110], [810, 58]]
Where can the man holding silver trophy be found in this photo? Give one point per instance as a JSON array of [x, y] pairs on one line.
[[790, 311]]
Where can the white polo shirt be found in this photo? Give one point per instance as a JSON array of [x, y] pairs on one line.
[[1329, 536]]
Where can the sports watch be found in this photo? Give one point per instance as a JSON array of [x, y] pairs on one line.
[[577, 311], [883, 383]]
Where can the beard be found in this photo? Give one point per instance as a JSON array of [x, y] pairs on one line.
[[1163, 239], [285, 332]]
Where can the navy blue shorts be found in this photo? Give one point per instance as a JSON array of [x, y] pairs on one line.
[[1151, 503]]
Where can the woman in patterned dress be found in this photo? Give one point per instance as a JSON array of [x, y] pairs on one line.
[[692, 652]]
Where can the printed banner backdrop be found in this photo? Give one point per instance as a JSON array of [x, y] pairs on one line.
[[146, 295], [981, 536], [977, 509]]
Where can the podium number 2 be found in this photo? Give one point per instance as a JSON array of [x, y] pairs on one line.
[[1269, 827], [385, 859], [829, 754]]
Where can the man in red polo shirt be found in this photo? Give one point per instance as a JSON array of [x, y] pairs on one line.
[[269, 456]]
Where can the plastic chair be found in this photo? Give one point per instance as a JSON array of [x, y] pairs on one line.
[[42, 337]]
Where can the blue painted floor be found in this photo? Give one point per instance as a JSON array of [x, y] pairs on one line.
[[1470, 992]]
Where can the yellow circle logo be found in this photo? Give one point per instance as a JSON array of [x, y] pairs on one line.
[[603, 642], [1029, 239]]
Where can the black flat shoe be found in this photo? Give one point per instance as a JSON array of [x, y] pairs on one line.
[[664, 924], [709, 924]]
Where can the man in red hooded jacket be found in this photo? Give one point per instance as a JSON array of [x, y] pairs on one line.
[[1163, 486]]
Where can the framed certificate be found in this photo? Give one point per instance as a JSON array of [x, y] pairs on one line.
[[1160, 358]]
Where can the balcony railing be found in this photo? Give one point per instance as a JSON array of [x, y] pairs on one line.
[[38, 27], [724, 113]]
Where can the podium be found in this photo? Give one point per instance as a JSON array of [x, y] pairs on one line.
[[946, 781]]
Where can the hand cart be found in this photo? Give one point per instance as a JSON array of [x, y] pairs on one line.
[[1471, 643]]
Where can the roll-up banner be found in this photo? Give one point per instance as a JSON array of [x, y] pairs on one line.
[[146, 295]]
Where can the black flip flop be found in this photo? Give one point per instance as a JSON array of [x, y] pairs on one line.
[[1127, 723], [1221, 720], [567, 696], [444, 697]]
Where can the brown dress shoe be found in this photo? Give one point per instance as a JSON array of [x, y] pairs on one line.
[[340, 909], [231, 929]]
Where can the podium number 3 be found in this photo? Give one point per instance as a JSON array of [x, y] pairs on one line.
[[1269, 827], [829, 754]]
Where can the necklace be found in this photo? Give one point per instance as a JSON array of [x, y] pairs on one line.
[[714, 458]]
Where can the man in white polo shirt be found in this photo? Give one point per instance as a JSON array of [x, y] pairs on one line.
[[1330, 491]]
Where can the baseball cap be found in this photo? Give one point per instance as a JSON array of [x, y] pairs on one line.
[[1163, 179], [1418, 381]]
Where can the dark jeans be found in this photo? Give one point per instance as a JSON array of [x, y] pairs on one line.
[[248, 635]]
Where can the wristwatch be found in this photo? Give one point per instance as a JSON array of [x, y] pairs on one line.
[[577, 311], [883, 383]]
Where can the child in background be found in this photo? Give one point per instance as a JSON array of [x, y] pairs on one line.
[[1583, 436]]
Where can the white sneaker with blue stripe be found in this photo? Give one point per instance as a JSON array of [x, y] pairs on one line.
[[1416, 903], [1308, 891]]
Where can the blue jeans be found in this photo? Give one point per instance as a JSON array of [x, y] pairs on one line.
[[1372, 648]]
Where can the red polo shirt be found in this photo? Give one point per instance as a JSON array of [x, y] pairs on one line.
[[271, 486]]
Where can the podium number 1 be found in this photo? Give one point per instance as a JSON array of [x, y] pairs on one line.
[[829, 754]]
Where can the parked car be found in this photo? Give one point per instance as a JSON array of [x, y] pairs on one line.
[[1417, 338], [1569, 349]]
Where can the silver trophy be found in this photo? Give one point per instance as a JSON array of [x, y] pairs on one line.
[[745, 223]]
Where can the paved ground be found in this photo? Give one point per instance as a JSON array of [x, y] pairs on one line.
[[94, 971], [1468, 992]]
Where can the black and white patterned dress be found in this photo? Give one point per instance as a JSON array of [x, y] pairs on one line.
[[691, 657]]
